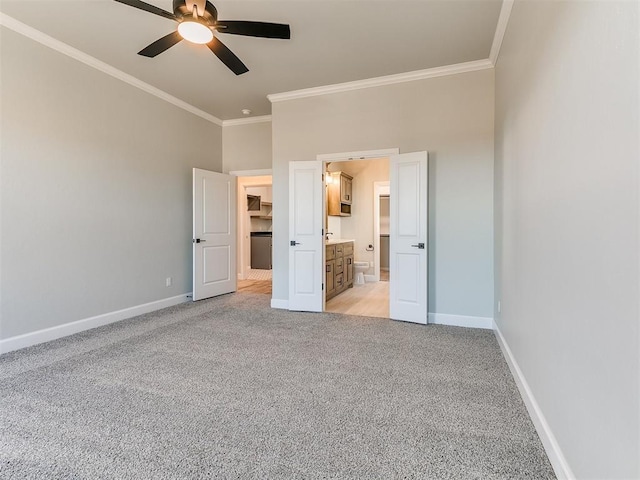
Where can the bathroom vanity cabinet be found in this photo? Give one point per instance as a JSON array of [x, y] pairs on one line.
[[338, 267], [339, 195]]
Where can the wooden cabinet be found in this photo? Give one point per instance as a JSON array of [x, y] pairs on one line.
[[348, 260], [346, 183], [347, 251], [265, 193], [338, 268], [265, 210], [330, 275], [339, 195]]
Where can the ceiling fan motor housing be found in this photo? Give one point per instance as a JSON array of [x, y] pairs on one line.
[[208, 17]]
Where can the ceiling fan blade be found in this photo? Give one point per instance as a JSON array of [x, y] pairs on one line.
[[254, 29], [148, 8], [227, 56], [160, 45]]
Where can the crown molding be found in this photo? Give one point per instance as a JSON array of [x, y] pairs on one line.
[[386, 80], [40, 37], [501, 29], [246, 121]]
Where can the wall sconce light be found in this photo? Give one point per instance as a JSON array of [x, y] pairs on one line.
[[328, 179]]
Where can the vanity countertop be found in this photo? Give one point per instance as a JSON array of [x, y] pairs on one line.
[[335, 241]]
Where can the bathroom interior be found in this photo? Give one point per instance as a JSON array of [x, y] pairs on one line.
[[357, 245]]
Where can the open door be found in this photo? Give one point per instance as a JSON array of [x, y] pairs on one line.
[[214, 234], [408, 253], [306, 236]]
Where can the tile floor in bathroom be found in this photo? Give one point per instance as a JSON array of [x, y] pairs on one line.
[[368, 300]]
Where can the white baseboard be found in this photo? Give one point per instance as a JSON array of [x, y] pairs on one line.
[[47, 334], [461, 321], [282, 304], [370, 278], [556, 457]]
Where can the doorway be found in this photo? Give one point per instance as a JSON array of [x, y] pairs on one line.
[[308, 247], [353, 280], [255, 227]]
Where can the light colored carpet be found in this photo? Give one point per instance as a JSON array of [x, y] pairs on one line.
[[229, 388]]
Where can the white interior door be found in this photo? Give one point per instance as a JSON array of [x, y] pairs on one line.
[[214, 234], [408, 253], [306, 240]]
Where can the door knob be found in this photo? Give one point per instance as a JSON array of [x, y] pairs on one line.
[[293, 243], [197, 240], [419, 245]]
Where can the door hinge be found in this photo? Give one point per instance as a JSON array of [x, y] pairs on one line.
[[323, 286]]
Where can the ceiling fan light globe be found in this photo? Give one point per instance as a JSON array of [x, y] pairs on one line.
[[195, 32]]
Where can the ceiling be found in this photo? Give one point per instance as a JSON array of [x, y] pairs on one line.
[[332, 41]]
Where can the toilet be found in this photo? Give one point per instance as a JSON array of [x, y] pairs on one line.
[[359, 269]]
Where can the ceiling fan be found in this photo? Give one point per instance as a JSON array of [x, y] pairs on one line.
[[197, 22]]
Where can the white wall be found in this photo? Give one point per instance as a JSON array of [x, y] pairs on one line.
[[359, 226], [334, 226], [95, 190], [452, 118], [246, 146], [567, 152]]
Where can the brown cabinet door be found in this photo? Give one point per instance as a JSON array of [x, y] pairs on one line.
[[348, 269], [330, 279], [345, 189], [330, 252]]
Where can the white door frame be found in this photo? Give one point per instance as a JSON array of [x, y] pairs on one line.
[[251, 173], [360, 155], [379, 189]]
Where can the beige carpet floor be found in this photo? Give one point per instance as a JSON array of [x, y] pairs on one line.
[[230, 388]]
